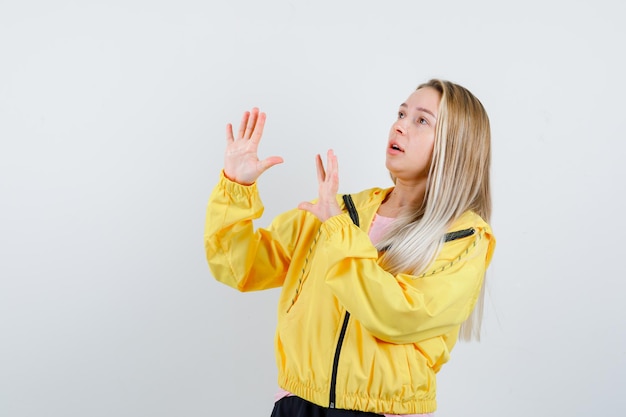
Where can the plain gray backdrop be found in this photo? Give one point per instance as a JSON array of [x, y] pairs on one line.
[[112, 119]]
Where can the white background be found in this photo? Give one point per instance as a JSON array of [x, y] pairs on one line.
[[112, 120]]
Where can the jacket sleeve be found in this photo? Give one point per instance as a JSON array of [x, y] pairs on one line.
[[239, 256], [404, 308]]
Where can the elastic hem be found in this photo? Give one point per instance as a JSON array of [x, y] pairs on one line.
[[354, 401]]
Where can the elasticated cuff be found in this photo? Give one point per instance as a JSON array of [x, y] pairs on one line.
[[236, 190], [336, 223]]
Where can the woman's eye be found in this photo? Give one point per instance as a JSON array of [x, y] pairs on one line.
[[422, 121], [400, 115]]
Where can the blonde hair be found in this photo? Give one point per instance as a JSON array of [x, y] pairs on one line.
[[458, 181]]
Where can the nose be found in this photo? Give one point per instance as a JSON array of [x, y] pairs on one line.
[[399, 127]]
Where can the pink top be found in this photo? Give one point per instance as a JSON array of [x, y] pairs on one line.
[[379, 227], [377, 230]]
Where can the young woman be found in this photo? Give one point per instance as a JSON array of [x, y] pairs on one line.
[[375, 290]]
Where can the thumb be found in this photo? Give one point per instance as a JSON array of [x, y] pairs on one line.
[[306, 206], [267, 163]]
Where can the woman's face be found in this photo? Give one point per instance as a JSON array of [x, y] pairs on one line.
[[412, 136]]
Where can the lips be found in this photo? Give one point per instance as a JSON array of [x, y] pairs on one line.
[[394, 146]]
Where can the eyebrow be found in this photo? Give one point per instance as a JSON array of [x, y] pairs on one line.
[[421, 109]]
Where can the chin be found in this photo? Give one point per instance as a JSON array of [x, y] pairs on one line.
[[389, 166]]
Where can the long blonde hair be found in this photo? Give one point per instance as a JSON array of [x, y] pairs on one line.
[[458, 181]]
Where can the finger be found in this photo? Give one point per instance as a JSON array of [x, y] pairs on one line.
[[258, 128], [333, 165], [329, 162], [229, 133], [242, 125], [251, 122], [319, 165]]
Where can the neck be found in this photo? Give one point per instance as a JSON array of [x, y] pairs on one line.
[[402, 196]]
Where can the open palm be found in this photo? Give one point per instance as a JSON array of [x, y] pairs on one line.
[[241, 161], [328, 184]]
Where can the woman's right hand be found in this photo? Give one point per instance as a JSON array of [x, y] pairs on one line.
[[241, 162]]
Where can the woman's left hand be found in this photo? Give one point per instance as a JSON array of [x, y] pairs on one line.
[[326, 205]]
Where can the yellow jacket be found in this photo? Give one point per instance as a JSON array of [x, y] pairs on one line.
[[399, 330]]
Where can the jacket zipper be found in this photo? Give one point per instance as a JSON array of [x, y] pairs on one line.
[[459, 234], [354, 215], [333, 378]]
